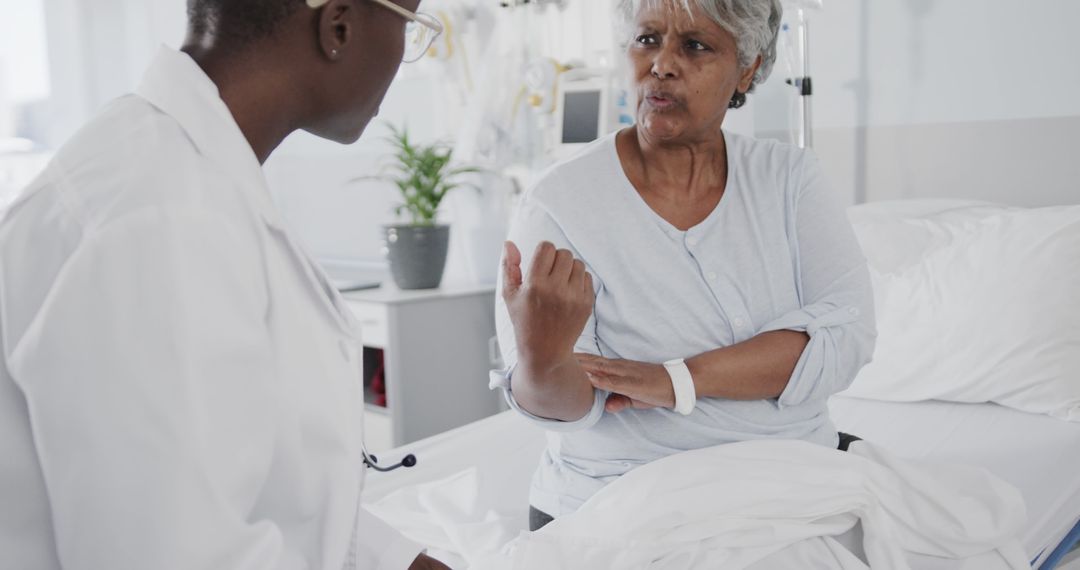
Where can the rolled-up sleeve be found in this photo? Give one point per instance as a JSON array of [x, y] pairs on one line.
[[532, 225], [836, 298]]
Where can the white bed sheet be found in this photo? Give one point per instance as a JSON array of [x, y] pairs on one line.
[[1040, 455], [1037, 454]]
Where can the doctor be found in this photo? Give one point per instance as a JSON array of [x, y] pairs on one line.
[[179, 384]]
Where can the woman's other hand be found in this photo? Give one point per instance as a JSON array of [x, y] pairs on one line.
[[632, 384], [617, 402], [549, 308], [425, 562]]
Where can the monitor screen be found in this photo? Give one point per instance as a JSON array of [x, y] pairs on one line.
[[581, 117]]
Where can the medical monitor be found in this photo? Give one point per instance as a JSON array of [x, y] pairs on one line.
[[581, 116], [582, 110]]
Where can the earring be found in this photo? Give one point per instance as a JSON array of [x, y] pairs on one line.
[[333, 53]]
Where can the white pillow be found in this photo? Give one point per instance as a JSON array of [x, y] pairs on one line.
[[975, 303]]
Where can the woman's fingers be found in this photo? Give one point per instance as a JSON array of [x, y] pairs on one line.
[[542, 262], [639, 405], [548, 313], [623, 389], [601, 382], [563, 266], [557, 264], [586, 359], [595, 364], [511, 268], [617, 403], [552, 267], [577, 274], [645, 385]]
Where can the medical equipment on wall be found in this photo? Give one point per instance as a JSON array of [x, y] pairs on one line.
[[537, 3], [541, 85], [571, 105], [582, 110], [450, 52], [590, 104], [538, 60], [510, 122], [790, 49], [496, 130]]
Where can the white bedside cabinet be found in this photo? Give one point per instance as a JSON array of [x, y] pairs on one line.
[[436, 346]]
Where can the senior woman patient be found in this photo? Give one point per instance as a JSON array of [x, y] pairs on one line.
[[674, 254]]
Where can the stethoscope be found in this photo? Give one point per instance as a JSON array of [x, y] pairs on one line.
[[373, 462]]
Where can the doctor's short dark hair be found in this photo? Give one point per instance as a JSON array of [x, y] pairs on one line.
[[239, 22]]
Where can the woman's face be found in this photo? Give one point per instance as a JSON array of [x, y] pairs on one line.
[[685, 70]]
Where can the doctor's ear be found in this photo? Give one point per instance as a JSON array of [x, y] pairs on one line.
[[336, 25]]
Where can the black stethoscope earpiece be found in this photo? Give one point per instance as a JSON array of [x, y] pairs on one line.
[[372, 462]]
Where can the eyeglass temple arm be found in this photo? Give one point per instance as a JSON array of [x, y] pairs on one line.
[[434, 25]]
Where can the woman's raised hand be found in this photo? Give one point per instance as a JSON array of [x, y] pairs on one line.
[[550, 307]]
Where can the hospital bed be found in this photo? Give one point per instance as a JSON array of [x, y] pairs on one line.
[[1036, 453]]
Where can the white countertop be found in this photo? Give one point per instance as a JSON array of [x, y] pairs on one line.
[[388, 293]]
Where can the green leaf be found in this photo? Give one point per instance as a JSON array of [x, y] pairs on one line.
[[423, 175]]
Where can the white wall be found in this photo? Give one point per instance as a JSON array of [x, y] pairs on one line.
[[22, 50], [886, 63], [920, 98], [23, 59], [98, 51], [7, 115]]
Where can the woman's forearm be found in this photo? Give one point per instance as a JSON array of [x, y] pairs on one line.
[[755, 369], [559, 391]]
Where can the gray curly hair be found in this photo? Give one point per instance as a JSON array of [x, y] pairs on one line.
[[755, 25]]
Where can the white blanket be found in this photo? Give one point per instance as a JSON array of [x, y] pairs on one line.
[[756, 505]]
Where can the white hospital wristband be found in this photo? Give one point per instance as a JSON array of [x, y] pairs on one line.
[[683, 383]]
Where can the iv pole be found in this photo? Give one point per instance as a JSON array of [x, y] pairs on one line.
[[803, 83]]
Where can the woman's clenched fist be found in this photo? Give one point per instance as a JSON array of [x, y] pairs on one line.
[[549, 308]]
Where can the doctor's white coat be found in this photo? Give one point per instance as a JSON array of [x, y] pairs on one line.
[[179, 385]]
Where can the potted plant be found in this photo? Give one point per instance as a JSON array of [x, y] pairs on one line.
[[417, 250]]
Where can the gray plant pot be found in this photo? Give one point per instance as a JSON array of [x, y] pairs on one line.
[[417, 254]]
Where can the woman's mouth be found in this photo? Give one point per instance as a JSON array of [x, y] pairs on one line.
[[660, 101]]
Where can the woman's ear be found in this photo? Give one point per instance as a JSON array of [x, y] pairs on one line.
[[746, 78], [336, 28]]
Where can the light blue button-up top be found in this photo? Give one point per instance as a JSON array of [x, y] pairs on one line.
[[777, 253]]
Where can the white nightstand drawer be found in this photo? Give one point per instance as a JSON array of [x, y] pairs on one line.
[[373, 323]]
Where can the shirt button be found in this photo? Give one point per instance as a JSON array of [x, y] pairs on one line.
[[739, 323], [711, 276], [691, 241], [853, 312]]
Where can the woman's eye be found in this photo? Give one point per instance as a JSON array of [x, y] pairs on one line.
[[695, 45], [646, 39]]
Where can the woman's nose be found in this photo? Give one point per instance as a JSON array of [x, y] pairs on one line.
[[665, 64]]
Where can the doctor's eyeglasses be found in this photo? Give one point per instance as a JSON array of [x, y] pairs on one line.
[[420, 32]]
